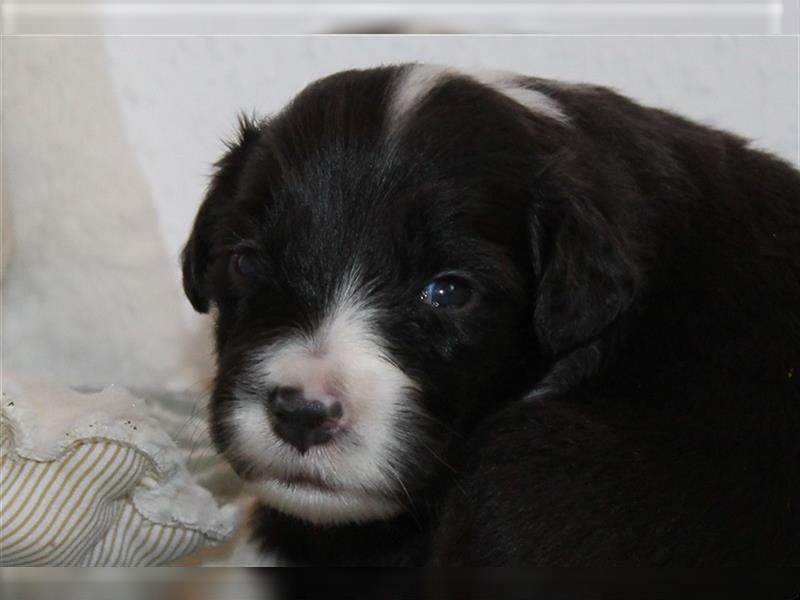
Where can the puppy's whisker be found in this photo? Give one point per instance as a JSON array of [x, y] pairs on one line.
[[411, 506], [438, 457], [426, 416]]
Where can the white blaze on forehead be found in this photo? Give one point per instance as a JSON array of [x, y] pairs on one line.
[[342, 357], [417, 81], [511, 85]]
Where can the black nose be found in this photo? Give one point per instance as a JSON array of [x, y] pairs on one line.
[[301, 421]]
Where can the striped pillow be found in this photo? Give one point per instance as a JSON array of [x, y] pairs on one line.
[[92, 479]]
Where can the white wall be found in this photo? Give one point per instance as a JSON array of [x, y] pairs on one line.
[[108, 144]]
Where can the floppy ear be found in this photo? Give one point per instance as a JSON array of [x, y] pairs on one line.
[[196, 253], [587, 281]]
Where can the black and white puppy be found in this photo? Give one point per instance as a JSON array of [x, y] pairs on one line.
[[493, 319]]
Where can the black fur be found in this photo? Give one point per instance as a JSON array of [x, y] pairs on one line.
[[625, 390]]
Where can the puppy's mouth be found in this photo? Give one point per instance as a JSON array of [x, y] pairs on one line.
[[306, 482], [253, 475]]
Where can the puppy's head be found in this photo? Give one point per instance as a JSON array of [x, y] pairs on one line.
[[386, 261]]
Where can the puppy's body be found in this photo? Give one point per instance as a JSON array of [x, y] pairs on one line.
[[620, 385]]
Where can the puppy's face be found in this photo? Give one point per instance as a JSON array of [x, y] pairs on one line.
[[373, 256]]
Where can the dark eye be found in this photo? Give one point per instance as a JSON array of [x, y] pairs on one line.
[[446, 292], [243, 264]]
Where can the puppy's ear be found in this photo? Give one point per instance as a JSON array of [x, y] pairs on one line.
[[587, 280], [196, 253]]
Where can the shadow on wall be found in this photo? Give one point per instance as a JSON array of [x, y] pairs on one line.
[[385, 16]]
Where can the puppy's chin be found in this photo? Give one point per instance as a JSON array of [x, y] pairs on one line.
[[322, 505]]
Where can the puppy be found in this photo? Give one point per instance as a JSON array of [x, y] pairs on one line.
[[492, 319]]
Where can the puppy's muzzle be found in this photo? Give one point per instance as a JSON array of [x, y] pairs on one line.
[[303, 422]]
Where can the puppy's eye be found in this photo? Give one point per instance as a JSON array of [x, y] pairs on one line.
[[446, 292], [242, 265]]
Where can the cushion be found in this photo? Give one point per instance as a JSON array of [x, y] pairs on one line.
[[93, 479]]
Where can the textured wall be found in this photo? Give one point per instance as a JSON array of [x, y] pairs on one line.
[[108, 144]]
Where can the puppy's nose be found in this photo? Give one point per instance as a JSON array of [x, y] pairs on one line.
[[301, 421]]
